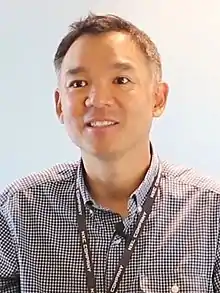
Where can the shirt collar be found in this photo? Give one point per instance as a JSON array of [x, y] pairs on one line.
[[141, 192], [81, 184], [139, 195]]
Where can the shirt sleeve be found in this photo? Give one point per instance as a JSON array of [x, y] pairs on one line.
[[9, 272], [216, 271]]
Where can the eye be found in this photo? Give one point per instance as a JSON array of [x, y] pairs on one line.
[[121, 80], [77, 83]]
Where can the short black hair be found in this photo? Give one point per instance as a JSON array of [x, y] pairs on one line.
[[98, 24]]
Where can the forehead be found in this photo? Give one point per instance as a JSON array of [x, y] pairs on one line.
[[103, 49]]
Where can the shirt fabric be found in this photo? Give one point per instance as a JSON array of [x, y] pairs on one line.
[[178, 249]]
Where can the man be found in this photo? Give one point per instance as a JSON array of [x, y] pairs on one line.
[[120, 219]]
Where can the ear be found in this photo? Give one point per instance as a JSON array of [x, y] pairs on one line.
[[160, 100], [58, 105]]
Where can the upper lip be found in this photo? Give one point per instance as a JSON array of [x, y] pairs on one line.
[[88, 121]]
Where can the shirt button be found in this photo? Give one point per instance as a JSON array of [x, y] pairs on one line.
[[139, 209], [118, 241], [175, 289]]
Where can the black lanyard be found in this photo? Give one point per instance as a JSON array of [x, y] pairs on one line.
[[87, 257]]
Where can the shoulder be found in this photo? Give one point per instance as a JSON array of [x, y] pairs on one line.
[[189, 178], [48, 178]]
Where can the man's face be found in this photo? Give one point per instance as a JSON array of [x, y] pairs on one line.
[[107, 96]]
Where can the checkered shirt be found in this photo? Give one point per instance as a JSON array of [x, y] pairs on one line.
[[178, 250]]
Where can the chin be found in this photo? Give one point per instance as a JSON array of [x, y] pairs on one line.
[[101, 153]]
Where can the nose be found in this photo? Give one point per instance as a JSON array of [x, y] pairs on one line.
[[99, 97]]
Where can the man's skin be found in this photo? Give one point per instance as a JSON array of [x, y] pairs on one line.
[[107, 77]]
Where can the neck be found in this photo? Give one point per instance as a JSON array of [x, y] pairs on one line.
[[111, 182]]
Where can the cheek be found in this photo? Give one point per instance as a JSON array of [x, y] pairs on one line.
[[73, 120], [73, 113], [73, 108], [139, 105]]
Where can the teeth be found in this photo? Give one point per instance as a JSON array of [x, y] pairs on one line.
[[101, 123]]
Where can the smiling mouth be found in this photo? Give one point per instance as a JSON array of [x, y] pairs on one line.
[[101, 124]]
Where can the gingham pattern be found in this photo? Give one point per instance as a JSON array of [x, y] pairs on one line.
[[177, 252]]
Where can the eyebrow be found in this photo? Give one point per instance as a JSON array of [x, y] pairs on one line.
[[123, 66], [76, 70], [118, 65]]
